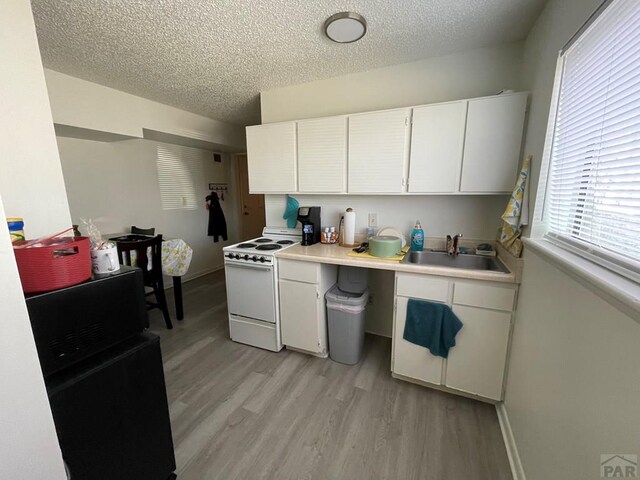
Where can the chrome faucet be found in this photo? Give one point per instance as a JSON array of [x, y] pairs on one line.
[[452, 244]]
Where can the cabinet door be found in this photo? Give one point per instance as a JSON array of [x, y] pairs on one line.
[[409, 359], [299, 312], [271, 158], [322, 155], [492, 143], [437, 140], [477, 363], [378, 151]]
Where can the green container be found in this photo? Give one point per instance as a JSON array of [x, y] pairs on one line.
[[385, 246]]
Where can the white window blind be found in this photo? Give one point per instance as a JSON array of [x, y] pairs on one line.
[[179, 168], [593, 190]]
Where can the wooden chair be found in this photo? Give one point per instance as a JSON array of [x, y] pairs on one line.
[[152, 276], [143, 231]]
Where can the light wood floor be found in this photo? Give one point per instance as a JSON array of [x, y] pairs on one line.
[[240, 412]]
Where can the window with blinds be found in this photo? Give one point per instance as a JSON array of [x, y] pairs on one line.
[[178, 169], [593, 187]]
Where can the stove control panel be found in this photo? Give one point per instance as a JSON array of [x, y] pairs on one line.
[[258, 259]]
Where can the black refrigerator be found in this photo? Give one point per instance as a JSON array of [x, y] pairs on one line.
[[106, 390]]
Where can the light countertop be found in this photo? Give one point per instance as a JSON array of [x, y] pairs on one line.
[[337, 255]]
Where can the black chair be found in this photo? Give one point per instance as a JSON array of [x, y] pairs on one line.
[[143, 231], [152, 277]]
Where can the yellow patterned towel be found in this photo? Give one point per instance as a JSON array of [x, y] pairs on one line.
[[517, 213]]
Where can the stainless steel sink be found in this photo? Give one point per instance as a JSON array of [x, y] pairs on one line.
[[463, 260]]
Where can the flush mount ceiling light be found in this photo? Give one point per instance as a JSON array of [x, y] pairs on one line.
[[345, 27]]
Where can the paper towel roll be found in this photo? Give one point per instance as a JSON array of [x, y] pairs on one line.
[[349, 227]]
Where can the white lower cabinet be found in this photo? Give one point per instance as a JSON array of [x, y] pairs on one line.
[[410, 360], [476, 364], [303, 316], [300, 307]]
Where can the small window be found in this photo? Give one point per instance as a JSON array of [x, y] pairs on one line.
[[179, 168], [592, 198]]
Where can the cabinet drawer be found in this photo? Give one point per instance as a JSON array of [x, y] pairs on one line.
[[486, 296], [422, 286], [307, 272]]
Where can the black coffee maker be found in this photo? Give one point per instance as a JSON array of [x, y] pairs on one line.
[[309, 217]]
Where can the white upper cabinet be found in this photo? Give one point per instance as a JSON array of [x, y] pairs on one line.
[[437, 140], [322, 155], [463, 147], [492, 143], [378, 151], [271, 158]]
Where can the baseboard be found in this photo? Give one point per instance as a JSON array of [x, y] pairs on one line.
[[510, 443], [188, 277]]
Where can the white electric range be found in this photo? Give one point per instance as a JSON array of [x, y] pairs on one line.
[[251, 273]]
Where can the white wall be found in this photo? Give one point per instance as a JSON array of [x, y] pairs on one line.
[[572, 391], [28, 442], [84, 104], [473, 73], [31, 186], [474, 216], [116, 184], [31, 181]]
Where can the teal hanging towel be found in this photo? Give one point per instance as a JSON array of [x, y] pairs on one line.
[[291, 212], [431, 325]]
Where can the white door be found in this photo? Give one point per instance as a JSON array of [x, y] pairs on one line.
[[492, 143], [299, 311], [378, 151], [322, 155], [409, 359], [271, 158], [477, 363], [437, 140]]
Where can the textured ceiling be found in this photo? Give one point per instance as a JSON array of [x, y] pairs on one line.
[[213, 57]]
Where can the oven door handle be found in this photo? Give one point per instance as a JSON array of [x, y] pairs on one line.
[[252, 267]]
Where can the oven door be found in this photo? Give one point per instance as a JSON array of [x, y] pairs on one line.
[[251, 291]]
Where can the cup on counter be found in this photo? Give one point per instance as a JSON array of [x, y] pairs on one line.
[[105, 260]]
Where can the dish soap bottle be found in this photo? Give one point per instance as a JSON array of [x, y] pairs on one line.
[[417, 237]]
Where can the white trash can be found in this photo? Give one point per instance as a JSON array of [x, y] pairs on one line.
[[345, 321]]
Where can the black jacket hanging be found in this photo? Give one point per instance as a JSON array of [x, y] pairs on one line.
[[217, 223]]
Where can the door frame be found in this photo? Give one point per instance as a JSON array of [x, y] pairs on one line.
[[240, 202]]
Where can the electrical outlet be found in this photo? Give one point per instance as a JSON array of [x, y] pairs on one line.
[[373, 219], [370, 302]]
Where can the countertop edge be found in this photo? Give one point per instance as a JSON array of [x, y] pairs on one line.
[[342, 259]]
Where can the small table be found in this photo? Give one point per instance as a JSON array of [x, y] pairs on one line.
[[176, 258]]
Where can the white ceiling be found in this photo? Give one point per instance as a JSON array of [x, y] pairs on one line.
[[213, 57]]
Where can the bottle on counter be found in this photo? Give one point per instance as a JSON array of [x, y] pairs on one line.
[[417, 237], [16, 228]]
